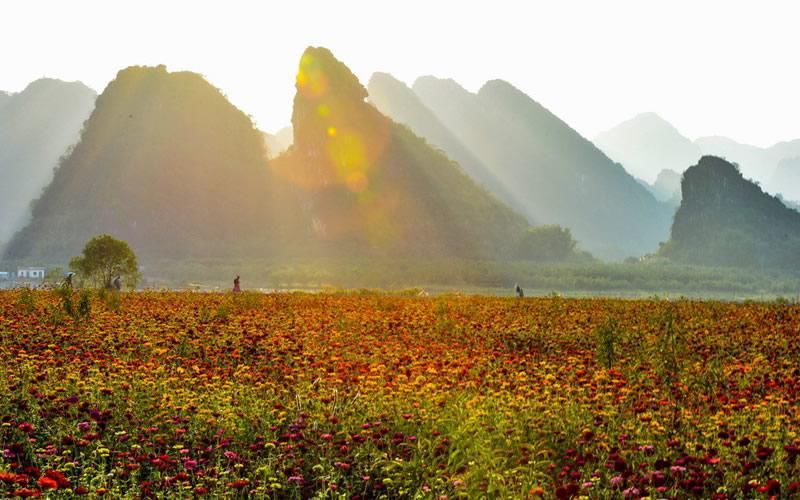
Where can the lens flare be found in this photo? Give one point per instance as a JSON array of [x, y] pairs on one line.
[[311, 80], [356, 182], [347, 153]]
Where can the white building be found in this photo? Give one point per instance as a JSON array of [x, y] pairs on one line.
[[5, 275], [31, 273]]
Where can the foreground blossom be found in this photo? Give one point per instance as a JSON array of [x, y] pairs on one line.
[[370, 395]]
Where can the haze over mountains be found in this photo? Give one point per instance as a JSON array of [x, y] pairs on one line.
[[166, 163], [278, 142], [396, 100], [375, 188], [647, 144], [557, 176], [37, 125], [786, 178], [667, 187]]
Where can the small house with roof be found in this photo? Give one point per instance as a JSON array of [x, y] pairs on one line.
[[30, 273]]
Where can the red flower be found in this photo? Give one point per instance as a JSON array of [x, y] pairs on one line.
[[238, 484], [26, 427], [58, 477], [25, 492], [47, 483], [764, 453], [10, 477]]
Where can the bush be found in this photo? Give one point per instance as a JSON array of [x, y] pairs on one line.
[[546, 243]]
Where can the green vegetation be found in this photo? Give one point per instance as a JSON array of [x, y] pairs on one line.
[[105, 258], [726, 220], [571, 277], [546, 243]]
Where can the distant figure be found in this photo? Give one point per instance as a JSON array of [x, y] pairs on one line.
[[117, 283], [518, 290], [236, 288], [67, 284]]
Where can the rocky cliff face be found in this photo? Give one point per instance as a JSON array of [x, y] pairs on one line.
[[373, 186], [725, 219]]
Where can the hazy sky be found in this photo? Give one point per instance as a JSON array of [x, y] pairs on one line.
[[710, 67]]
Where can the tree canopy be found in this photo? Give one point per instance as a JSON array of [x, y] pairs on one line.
[[546, 243], [105, 257]]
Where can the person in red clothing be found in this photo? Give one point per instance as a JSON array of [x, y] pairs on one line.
[[236, 288]]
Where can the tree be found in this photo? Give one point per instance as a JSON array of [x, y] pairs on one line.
[[105, 257], [546, 243]]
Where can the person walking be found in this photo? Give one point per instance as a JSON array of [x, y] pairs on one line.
[[117, 283], [518, 290], [236, 288], [67, 283]]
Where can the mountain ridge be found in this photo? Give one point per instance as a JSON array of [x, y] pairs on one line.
[[374, 186], [395, 99], [39, 124], [165, 162], [558, 176]]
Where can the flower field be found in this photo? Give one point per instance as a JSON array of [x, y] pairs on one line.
[[364, 396]]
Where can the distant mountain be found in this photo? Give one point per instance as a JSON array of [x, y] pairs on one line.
[[37, 126], [375, 188], [727, 220], [755, 163], [397, 101], [786, 178], [667, 187], [786, 149], [168, 164], [278, 142], [558, 176], [647, 145], [4, 98]]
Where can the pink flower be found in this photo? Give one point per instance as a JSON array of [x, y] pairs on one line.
[[631, 492]]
